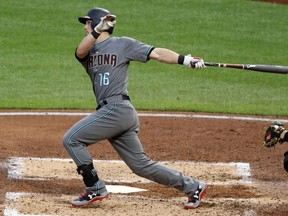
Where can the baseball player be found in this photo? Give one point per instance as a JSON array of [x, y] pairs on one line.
[[106, 60], [276, 133]]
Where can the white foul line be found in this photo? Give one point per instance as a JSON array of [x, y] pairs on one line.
[[224, 117]]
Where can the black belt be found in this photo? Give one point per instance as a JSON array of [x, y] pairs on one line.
[[112, 99]]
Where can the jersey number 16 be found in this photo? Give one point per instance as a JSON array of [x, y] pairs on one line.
[[104, 78]]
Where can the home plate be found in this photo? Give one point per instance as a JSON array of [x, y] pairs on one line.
[[123, 189]]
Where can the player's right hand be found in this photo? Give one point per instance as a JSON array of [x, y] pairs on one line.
[[106, 23]]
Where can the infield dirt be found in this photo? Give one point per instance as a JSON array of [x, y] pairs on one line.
[[164, 139]]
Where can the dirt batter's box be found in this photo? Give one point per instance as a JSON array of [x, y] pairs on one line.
[[45, 169]]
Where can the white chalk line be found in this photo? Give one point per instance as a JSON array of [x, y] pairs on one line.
[[17, 163], [16, 166], [223, 117]]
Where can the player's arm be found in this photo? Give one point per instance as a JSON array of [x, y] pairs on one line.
[[170, 57], [85, 45], [164, 55]]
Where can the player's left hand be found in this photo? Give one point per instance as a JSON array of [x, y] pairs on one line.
[[273, 134], [106, 23], [194, 62]]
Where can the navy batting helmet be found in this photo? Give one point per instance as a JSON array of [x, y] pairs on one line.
[[95, 15]]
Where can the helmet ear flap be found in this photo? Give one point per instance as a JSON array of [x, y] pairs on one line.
[[110, 31], [94, 23]]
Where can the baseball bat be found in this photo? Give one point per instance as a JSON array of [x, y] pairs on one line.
[[260, 68]]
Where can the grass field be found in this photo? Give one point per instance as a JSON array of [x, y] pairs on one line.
[[38, 68]]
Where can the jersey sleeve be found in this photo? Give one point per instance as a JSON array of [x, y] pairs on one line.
[[136, 50], [83, 61]]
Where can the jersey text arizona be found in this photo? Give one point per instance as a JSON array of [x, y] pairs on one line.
[[102, 59]]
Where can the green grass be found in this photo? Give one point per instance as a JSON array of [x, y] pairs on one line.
[[39, 71]]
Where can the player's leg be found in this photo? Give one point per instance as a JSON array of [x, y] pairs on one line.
[[102, 124], [129, 148], [85, 132], [110, 121]]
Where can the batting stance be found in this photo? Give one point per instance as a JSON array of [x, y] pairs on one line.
[[276, 133], [106, 60]]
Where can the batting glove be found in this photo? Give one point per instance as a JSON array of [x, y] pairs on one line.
[[106, 23], [194, 62]]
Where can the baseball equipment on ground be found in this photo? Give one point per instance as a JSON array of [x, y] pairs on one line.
[[106, 23], [193, 62], [274, 134], [259, 68]]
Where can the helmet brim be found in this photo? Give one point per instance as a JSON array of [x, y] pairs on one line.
[[83, 19]]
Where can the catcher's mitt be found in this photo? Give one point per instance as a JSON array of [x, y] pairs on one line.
[[286, 161], [272, 134]]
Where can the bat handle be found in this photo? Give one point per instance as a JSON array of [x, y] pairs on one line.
[[238, 66], [213, 64]]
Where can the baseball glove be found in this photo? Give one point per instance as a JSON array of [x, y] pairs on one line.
[[286, 161], [272, 134]]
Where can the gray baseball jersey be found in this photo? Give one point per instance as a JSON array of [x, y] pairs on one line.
[[117, 120], [107, 64]]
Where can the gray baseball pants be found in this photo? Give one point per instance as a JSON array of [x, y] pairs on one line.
[[118, 122]]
